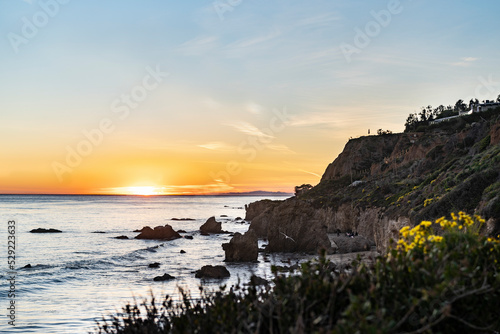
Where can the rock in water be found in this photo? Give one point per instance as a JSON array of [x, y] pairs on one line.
[[211, 226], [122, 237], [45, 230], [158, 233], [242, 248], [292, 226], [212, 272], [154, 265], [165, 277]]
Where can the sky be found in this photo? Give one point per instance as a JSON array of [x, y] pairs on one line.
[[197, 97]]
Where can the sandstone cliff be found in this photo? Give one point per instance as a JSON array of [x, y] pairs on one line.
[[379, 184]]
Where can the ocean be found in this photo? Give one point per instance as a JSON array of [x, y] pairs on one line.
[[78, 276]]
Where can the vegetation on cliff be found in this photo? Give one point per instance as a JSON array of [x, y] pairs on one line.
[[444, 167], [446, 283]]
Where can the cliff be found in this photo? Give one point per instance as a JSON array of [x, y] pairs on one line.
[[379, 184]]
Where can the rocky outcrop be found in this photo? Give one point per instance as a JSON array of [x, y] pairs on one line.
[[217, 272], [158, 233], [122, 237], [165, 277], [380, 184], [256, 208], [242, 248], [45, 230], [211, 226], [352, 244], [292, 226]]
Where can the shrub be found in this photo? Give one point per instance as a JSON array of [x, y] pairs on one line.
[[439, 277]]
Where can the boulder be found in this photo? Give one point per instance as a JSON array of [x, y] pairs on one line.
[[292, 226], [256, 280], [122, 237], [158, 233], [154, 265], [190, 237], [242, 248], [212, 272], [181, 231], [45, 230], [165, 277], [183, 251], [27, 266], [211, 226], [182, 219]]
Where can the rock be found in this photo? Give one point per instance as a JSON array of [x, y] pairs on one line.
[[256, 208], [165, 277], [292, 226], [182, 219], [256, 280], [183, 251], [238, 218], [223, 216], [122, 237], [242, 248], [142, 229], [205, 234], [154, 265], [347, 244], [181, 231], [45, 230], [158, 233], [190, 237], [211, 226], [27, 266], [212, 272], [100, 232]]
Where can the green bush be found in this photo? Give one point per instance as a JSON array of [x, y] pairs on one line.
[[440, 277]]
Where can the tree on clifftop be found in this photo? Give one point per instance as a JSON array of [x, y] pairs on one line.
[[299, 190]]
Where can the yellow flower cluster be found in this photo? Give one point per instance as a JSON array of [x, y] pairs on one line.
[[422, 234]]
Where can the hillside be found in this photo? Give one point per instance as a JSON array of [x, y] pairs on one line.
[[379, 184]]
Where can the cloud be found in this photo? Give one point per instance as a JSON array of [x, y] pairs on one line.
[[199, 45], [249, 129], [319, 20], [254, 108], [466, 61], [308, 172], [217, 146], [280, 148]]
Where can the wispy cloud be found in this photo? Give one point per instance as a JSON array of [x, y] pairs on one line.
[[248, 129], [308, 172], [319, 20], [248, 42], [217, 146], [281, 148], [254, 108], [466, 61], [199, 45]]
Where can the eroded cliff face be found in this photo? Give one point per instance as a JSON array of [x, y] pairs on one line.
[[379, 184]]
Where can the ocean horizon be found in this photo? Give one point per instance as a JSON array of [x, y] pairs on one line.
[[83, 273]]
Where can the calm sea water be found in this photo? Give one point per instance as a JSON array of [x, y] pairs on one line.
[[77, 276]]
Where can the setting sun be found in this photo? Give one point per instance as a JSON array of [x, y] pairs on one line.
[[142, 191]]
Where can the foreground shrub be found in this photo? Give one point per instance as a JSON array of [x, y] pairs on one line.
[[440, 277]]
